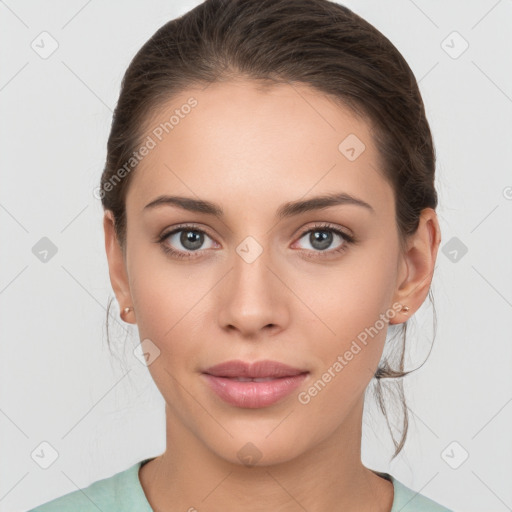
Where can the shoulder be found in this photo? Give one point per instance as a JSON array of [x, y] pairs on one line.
[[121, 492], [407, 500]]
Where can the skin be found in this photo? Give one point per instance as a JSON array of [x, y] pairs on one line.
[[250, 149]]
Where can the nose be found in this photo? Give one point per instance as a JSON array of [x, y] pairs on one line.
[[253, 297]]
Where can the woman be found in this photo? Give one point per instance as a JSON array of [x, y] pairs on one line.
[[269, 211]]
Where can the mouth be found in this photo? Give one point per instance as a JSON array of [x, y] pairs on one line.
[[266, 369], [253, 385], [247, 379]]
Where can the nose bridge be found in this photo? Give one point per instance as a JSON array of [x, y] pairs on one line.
[[252, 295], [251, 266]]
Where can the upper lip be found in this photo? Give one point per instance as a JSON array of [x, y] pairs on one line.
[[255, 370]]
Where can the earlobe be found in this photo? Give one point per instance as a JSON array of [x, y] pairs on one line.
[[419, 261], [116, 263]]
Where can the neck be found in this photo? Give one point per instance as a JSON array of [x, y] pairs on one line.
[[330, 476]]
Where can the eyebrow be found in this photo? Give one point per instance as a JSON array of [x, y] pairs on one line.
[[286, 210]]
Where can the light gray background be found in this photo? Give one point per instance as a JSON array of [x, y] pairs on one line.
[[59, 383]]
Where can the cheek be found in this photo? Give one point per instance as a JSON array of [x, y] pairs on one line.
[[164, 293], [352, 309], [168, 305], [174, 310], [351, 297], [347, 361]]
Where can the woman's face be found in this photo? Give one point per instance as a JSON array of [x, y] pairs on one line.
[[262, 280]]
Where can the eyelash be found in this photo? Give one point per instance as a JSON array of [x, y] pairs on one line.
[[348, 240]]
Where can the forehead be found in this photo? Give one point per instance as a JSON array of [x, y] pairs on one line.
[[242, 141]]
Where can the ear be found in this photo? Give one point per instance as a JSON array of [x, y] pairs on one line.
[[417, 265], [117, 266]]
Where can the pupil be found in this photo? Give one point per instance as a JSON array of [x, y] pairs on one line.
[[191, 240], [324, 239]]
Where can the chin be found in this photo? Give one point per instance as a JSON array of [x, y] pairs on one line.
[[258, 450]]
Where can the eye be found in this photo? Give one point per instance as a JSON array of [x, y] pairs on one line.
[[190, 238], [322, 236], [183, 241]]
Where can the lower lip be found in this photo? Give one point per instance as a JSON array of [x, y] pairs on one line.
[[253, 395]]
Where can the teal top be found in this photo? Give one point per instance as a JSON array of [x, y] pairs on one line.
[[123, 492]]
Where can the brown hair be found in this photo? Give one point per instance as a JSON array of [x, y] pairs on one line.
[[315, 42]]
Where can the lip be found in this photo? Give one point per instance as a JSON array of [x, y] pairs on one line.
[[281, 381], [257, 369]]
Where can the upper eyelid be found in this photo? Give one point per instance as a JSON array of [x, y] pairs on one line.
[[189, 227]]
